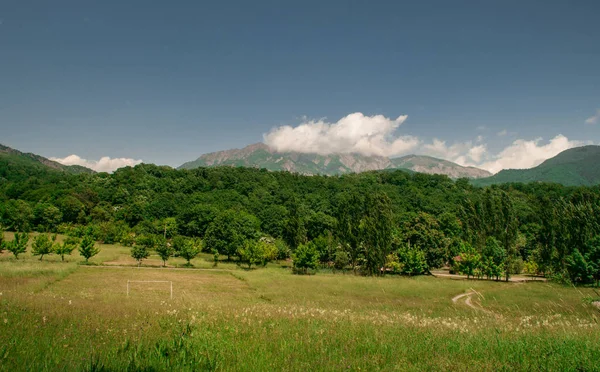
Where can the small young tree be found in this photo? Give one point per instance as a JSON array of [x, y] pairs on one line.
[[18, 245], [306, 257], [42, 245], [87, 247], [469, 261], [252, 253], [139, 252], [66, 247], [164, 249], [413, 261], [190, 249]]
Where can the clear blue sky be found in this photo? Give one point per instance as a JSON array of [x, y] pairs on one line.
[[167, 81]]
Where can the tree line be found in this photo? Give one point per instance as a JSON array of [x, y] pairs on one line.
[[370, 223]]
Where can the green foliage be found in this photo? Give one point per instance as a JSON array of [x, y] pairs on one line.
[[18, 245], [190, 249], [164, 249], [229, 230], [579, 269], [376, 232], [412, 261], [66, 247], [42, 245], [306, 257], [140, 252], [469, 262], [283, 251], [593, 258], [341, 259], [537, 223], [255, 252], [87, 247]]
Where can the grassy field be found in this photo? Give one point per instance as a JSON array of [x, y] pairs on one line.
[[64, 316]]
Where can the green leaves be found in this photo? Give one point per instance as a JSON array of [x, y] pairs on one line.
[[18, 245], [306, 257], [42, 245], [87, 247]]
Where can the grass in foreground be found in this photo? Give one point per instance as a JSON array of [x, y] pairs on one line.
[[57, 315]]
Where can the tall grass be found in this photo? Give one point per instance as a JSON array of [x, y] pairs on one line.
[[63, 316]]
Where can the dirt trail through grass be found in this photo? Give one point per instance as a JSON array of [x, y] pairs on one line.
[[468, 296]]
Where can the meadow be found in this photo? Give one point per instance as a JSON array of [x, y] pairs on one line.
[[66, 316]]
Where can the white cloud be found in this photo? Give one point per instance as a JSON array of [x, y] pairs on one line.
[[374, 135], [368, 135], [518, 155], [463, 153], [527, 154], [593, 119], [105, 164]]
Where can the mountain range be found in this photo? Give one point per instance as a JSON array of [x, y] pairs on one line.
[[260, 155], [578, 166], [14, 164]]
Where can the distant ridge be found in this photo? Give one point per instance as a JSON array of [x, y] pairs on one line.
[[579, 166], [14, 163], [259, 155]]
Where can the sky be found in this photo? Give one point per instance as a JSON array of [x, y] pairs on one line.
[[494, 84]]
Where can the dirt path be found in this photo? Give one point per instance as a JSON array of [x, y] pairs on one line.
[[468, 296]]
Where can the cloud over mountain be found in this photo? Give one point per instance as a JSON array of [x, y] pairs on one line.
[[105, 164], [376, 135], [354, 133]]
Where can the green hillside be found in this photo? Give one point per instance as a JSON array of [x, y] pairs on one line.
[[16, 165], [579, 166]]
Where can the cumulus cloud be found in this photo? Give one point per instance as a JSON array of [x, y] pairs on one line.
[[375, 135], [526, 154], [593, 119], [105, 164], [519, 154], [355, 133]]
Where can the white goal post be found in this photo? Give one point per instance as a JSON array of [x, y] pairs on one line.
[[150, 281]]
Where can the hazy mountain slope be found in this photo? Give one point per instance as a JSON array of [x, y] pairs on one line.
[[430, 165], [578, 166], [261, 156], [16, 164]]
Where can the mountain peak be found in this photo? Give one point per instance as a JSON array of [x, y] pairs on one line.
[[259, 155]]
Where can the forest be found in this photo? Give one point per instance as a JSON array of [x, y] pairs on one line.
[[372, 223]]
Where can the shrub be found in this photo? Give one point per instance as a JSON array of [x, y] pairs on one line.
[[87, 247], [18, 245], [413, 261], [306, 257], [139, 252], [66, 247], [190, 249], [164, 249], [42, 245]]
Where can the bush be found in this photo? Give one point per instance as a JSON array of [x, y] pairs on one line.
[[42, 245], [413, 261], [531, 267], [516, 266], [139, 252], [87, 247], [306, 257]]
